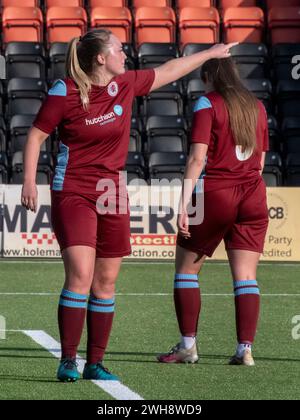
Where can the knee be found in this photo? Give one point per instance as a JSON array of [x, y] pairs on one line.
[[104, 285]]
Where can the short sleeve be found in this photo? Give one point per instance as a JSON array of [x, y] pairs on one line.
[[202, 121], [142, 81], [52, 110]]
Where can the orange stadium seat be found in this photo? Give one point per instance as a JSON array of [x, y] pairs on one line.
[[284, 24], [103, 3], [16, 3], [154, 24], [64, 23], [180, 4], [224, 4], [22, 24], [198, 25], [243, 24], [150, 3], [64, 3], [117, 19], [282, 3]]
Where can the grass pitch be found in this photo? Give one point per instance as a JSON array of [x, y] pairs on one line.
[[145, 325]]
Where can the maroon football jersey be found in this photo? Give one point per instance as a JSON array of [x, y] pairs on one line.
[[93, 143], [226, 165]]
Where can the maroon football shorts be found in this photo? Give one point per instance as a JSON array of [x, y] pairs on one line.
[[76, 221], [238, 214]]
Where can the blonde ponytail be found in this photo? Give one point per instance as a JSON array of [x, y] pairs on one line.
[[82, 63], [74, 71]]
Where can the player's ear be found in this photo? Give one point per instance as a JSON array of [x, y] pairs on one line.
[[101, 59]]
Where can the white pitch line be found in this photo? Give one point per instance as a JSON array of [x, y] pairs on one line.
[[113, 388]]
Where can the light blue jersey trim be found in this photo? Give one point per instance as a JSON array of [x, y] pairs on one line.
[[59, 88], [247, 291], [61, 167], [202, 103]]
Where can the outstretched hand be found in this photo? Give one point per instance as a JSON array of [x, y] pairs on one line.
[[222, 50]]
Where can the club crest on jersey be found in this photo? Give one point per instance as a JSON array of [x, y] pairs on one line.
[[242, 156], [113, 89]]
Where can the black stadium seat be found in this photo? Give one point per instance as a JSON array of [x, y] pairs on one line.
[[57, 58], [282, 55], [154, 54], [273, 169], [19, 126], [291, 134], [25, 59], [262, 88], [293, 170], [164, 165], [135, 166], [251, 60], [288, 98], [3, 168], [25, 95]]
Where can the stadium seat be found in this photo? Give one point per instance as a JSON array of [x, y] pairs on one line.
[[262, 88], [19, 126], [103, 3], [251, 60], [25, 59], [25, 95], [2, 135], [150, 3], [281, 3], [288, 98], [243, 24], [16, 3], [293, 170], [22, 24], [225, 4], [64, 3], [3, 168], [272, 172], [166, 134], [195, 89], [154, 24], [190, 49], [157, 103], [180, 4], [284, 25], [57, 58], [282, 55], [198, 25], [117, 19], [128, 49], [1, 98], [64, 23], [135, 140], [135, 166], [154, 54], [291, 134], [44, 168], [274, 137], [165, 165]]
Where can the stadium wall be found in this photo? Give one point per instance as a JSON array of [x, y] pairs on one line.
[[25, 234]]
